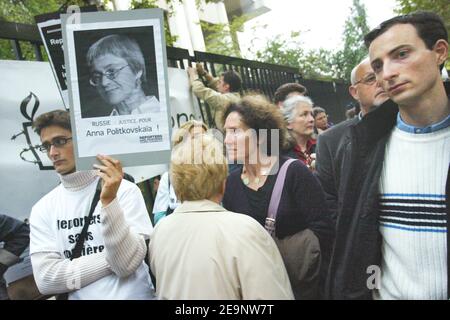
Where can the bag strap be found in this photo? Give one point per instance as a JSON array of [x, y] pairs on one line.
[[277, 190], [76, 251]]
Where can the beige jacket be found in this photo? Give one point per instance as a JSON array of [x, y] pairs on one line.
[[216, 100], [203, 251]]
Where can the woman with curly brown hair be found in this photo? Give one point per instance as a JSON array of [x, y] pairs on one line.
[[254, 133]]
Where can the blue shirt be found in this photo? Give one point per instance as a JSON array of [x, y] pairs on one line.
[[419, 130]]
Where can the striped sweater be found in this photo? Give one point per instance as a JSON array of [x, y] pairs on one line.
[[413, 216]]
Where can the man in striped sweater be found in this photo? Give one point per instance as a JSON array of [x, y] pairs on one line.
[[392, 229]]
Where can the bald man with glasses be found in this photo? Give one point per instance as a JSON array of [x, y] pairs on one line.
[[330, 147]]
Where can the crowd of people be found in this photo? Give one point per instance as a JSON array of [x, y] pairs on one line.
[[287, 206]]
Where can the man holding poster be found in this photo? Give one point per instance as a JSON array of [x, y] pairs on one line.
[[88, 234]]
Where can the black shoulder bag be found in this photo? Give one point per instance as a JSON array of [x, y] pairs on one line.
[[76, 251]]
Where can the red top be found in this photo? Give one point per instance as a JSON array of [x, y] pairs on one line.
[[305, 157]]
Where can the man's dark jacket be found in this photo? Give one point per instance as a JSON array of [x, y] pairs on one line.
[[15, 235], [330, 150], [358, 241]]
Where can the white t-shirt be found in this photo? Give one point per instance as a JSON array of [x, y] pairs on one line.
[[165, 197], [57, 219]]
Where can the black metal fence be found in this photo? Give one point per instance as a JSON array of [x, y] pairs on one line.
[[256, 76]]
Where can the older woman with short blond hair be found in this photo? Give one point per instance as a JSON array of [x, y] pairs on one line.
[[166, 201], [203, 251]]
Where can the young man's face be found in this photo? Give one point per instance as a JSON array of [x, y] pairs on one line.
[[222, 86], [61, 156], [321, 121], [405, 68]]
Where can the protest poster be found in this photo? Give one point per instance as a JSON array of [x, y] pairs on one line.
[[118, 86], [49, 26]]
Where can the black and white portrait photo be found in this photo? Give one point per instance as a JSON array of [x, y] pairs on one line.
[[117, 72], [116, 67]]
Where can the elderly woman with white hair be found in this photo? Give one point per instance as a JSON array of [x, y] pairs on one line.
[[298, 115], [202, 251]]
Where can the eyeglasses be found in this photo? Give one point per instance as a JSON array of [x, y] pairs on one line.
[[369, 79], [111, 74], [58, 142]]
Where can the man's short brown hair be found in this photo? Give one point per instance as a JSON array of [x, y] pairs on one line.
[[284, 90], [60, 118], [233, 79]]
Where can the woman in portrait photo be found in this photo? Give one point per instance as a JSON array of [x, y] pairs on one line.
[[118, 73]]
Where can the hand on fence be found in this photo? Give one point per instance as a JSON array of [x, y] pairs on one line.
[[200, 70], [192, 73]]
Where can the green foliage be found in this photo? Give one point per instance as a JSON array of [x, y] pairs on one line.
[[141, 4], [321, 63], [221, 38], [23, 11], [441, 7], [314, 64], [317, 64], [6, 50], [282, 50], [354, 50]]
